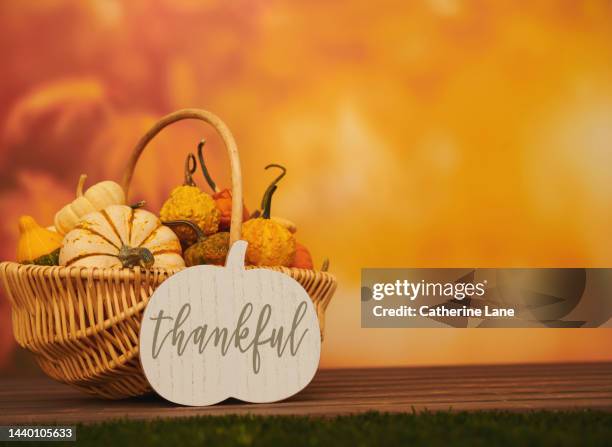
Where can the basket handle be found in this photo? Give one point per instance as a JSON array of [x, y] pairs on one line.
[[230, 145]]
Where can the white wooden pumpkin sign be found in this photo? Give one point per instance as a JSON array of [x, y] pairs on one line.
[[210, 333]]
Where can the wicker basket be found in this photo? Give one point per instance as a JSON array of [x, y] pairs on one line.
[[82, 324]]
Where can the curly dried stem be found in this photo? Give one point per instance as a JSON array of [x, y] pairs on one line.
[[177, 223], [190, 169], [205, 171], [266, 201]]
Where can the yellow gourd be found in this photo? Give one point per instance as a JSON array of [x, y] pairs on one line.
[[270, 243], [188, 202], [96, 198], [37, 245]]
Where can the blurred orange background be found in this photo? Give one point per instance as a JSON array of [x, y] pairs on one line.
[[426, 133]]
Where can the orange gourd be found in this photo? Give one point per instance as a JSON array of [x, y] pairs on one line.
[[222, 198], [302, 258]]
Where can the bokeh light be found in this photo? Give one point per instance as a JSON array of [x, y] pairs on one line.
[[416, 134]]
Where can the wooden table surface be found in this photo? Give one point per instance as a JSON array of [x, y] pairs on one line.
[[344, 391]]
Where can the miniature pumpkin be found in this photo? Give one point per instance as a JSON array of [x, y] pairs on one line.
[[213, 250], [37, 245], [222, 198], [188, 202], [208, 249], [120, 236], [302, 258], [96, 198], [270, 243]]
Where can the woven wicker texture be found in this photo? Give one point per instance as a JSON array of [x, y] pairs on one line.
[[83, 324]]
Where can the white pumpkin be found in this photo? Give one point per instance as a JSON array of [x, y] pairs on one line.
[[96, 198], [120, 236]]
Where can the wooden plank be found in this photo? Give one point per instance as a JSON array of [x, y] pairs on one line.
[[344, 391]]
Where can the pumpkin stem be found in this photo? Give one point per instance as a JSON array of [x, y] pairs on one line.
[[80, 184], [190, 168], [177, 223], [266, 201], [136, 257], [25, 223], [207, 176], [138, 204], [325, 266]]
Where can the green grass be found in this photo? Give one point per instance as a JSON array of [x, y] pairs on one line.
[[490, 429]]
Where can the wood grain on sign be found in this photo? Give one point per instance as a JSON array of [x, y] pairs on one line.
[[210, 333]]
